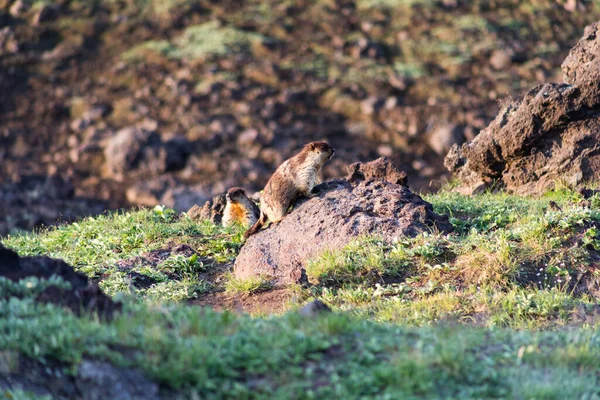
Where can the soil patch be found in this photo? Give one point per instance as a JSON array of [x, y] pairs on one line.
[[271, 302]]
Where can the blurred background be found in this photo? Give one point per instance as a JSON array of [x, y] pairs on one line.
[[119, 103]]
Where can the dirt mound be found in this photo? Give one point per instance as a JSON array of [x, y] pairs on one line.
[[83, 296], [339, 213], [552, 135]]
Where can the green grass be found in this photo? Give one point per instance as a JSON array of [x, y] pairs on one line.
[[512, 261], [253, 285], [98, 247], [462, 315], [226, 356]]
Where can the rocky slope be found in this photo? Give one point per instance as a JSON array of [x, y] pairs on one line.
[[172, 102]]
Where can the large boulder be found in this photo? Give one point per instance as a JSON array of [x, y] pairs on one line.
[[366, 204], [137, 152], [551, 135]]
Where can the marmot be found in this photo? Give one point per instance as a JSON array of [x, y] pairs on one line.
[[295, 177], [239, 209]]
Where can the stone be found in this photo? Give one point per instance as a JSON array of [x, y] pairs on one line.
[[443, 136], [133, 150]]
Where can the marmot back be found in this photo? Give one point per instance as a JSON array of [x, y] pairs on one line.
[[294, 178]]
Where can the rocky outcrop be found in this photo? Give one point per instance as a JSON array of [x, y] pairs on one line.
[[551, 135], [82, 296], [382, 169], [212, 210], [341, 211]]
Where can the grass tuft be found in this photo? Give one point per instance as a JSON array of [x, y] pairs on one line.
[[248, 286]]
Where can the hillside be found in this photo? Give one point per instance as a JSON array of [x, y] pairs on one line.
[[506, 306], [117, 115], [205, 95]]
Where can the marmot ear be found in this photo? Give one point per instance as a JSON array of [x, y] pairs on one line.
[[311, 146]]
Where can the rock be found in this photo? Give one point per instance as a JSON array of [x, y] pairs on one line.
[[57, 187], [82, 297], [8, 42], [581, 68], [371, 105], [586, 193], [137, 152], [501, 59], [340, 212], [19, 7], [34, 200], [101, 380], [443, 136], [178, 151], [314, 308], [551, 135], [570, 5], [381, 169], [212, 210], [88, 117], [183, 197], [134, 150], [248, 138], [144, 195], [195, 213], [65, 50], [46, 12]]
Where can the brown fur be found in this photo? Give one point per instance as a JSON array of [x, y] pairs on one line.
[[239, 209], [294, 178]]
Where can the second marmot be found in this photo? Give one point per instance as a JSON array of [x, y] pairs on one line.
[[239, 209], [294, 178]]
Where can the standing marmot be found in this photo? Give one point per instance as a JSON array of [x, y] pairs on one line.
[[295, 177], [239, 209]]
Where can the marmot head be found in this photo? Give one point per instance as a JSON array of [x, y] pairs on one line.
[[236, 195], [322, 149]]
